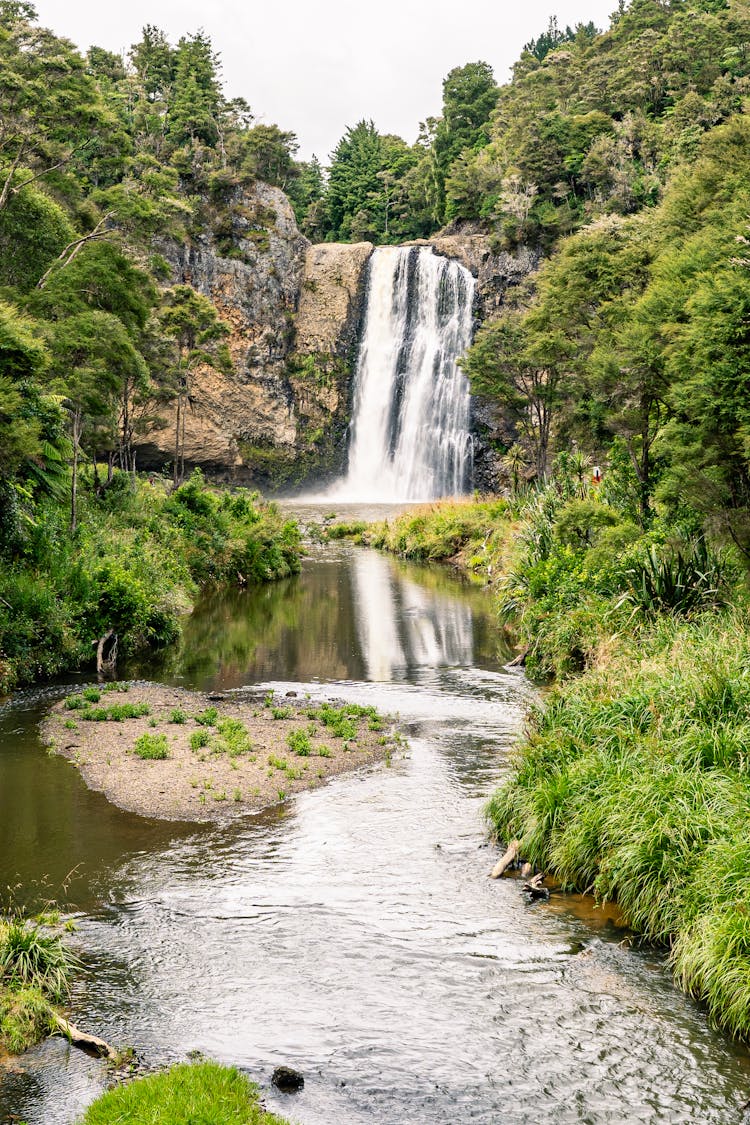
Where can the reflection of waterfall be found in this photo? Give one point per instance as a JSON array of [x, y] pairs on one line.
[[410, 436], [402, 627]]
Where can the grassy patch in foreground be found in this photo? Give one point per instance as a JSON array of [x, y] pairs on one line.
[[202, 1093], [634, 783]]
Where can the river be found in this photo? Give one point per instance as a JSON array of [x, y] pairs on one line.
[[353, 933]]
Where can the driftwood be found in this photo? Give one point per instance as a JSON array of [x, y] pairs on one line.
[[89, 1043], [520, 660], [106, 651], [534, 888], [502, 865]]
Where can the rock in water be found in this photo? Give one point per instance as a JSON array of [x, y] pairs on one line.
[[287, 1080]]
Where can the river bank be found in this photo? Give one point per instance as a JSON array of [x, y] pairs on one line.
[[132, 568], [632, 782], [174, 754]]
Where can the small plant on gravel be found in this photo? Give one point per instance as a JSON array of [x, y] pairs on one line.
[[91, 694], [237, 795], [151, 746], [276, 762], [207, 718], [299, 742], [282, 712], [325, 752], [76, 703], [233, 738], [199, 739], [177, 715], [116, 687], [70, 724]]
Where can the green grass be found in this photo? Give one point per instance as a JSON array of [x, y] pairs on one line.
[[151, 747], [475, 533], [202, 1093], [634, 784], [35, 971]]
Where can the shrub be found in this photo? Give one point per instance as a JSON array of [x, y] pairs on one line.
[[151, 746], [299, 742]]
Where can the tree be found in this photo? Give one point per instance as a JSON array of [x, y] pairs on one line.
[[469, 97], [191, 321], [521, 371]]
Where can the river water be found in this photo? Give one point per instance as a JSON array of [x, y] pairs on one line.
[[353, 934]]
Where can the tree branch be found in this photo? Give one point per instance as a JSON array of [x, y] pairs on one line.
[[75, 247]]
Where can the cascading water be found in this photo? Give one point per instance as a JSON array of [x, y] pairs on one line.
[[410, 436]]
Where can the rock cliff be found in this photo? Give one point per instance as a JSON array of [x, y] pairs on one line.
[[280, 415], [279, 418]]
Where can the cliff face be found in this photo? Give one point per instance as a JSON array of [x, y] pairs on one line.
[[293, 312], [279, 418]]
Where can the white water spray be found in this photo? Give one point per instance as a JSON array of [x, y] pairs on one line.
[[410, 436]]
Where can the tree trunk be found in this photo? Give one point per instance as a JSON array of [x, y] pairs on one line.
[[74, 481]]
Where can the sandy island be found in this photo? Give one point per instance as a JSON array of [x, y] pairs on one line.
[[180, 755]]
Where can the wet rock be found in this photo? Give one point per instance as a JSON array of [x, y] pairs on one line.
[[288, 1080]]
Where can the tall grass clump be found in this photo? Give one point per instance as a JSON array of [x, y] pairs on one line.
[[633, 783], [35, 972], [203, 1093]]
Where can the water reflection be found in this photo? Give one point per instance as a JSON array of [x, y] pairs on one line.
[[351, 615]]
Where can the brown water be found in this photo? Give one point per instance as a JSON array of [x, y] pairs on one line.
[[353, 934]]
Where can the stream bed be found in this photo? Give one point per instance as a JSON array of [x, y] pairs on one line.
[[353, 933]]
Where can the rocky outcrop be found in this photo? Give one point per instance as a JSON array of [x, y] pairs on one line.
[[249, 262], [329, 321], [498, 272], [280, 415], [332, 298]]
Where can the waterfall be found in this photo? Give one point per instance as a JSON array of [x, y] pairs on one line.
[[410, 437]]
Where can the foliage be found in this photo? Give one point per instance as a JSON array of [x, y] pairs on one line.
[[134, 565], [201, 1093], [633, 783], [151, 746]]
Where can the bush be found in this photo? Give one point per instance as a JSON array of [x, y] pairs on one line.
[[151, 746]]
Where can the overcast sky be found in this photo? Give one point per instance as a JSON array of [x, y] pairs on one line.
[[316, 66]]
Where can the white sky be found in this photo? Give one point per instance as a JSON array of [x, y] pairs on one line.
[[317, 66]]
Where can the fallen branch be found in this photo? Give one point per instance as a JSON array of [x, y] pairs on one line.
[[534, 886], [520, 660], [502, 865], [90, 1043]]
